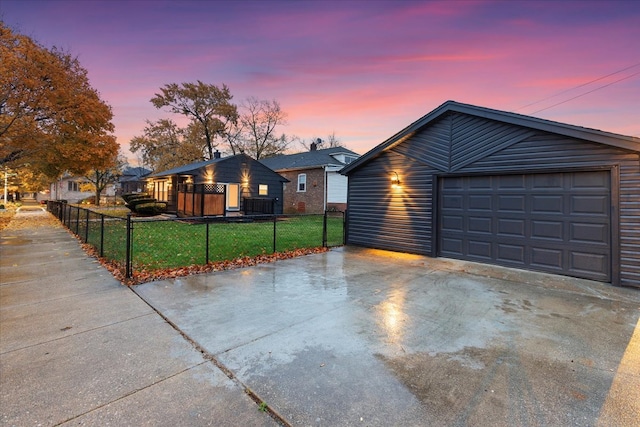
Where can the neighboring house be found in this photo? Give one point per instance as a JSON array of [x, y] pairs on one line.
[[69, 188], [221, 186], [133, 180], [316, 184], [490, 186]]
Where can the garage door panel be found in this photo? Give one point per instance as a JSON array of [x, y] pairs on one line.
[[480, 202], [513, 203], [591, 180], [452, 201], [480, 224], [546, 258], [547, 182], [510, 253], [480, 250], [451, 246], [482, 182], [511, 182], [589, 262], [589, 233], [547, 204], [453, 184], [511, 227], [557, 222], [590, 205], [553, 230], [453, 223]]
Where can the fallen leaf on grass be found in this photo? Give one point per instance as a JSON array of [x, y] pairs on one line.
[[143, 275]]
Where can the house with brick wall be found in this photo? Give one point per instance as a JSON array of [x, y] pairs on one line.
[[315, 183]]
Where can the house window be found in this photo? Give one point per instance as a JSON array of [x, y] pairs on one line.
[[73, 186], [349, 159], [302, 182], [263, 189]]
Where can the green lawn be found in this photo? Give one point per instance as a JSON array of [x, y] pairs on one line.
[[172, 244]]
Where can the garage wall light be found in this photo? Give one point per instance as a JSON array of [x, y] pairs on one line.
[[395, 180]]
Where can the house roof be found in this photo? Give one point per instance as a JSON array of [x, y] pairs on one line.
[[196, 167], [307, 159], [615, 140], [188, 169], [134, 173]]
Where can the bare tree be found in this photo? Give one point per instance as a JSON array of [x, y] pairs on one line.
[[330, 141], [256, 131]]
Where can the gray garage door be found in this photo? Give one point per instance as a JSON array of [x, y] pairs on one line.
[[555, 222]]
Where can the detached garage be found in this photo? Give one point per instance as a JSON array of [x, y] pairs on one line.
[[489, 186]]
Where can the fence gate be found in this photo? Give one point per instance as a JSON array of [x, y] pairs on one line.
[[201, 200]]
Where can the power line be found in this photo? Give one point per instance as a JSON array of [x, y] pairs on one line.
[[586, 93], [579, 86]]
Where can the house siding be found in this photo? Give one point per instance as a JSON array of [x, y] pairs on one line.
[[233, 170], [384, 218], [460, 144], [336, 191], [312, 199]]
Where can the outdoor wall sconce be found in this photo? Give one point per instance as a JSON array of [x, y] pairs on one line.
[[245, 177], [395, 180], [209, 175]]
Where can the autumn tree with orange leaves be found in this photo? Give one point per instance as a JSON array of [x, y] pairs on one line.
[[51, 120]]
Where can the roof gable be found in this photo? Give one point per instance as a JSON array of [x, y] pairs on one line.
[[308, 159], [197, 167], [515, 126], [187, 169]]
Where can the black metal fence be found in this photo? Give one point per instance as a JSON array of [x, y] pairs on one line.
[[139, 243]]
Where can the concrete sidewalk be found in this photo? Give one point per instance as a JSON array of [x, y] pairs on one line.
[[77, 347]]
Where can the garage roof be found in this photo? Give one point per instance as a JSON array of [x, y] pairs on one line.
[[615, 140]]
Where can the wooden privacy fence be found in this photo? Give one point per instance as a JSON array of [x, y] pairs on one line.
[[197, 200]]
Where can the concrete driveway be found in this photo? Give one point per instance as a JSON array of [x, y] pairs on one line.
[[357, 337]]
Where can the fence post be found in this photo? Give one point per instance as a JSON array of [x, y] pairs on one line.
[[127, 266], [77, 220], [274, 232], [207, 245], [324, 230], [344, 226], [101, 235], [86, 231]]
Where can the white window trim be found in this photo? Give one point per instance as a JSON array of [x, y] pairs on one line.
[[302, 177]]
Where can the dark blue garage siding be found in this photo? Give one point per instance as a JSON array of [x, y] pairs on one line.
[[384, 218], [460, 141]]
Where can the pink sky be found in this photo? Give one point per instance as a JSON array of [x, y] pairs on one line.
[[361, 69]]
